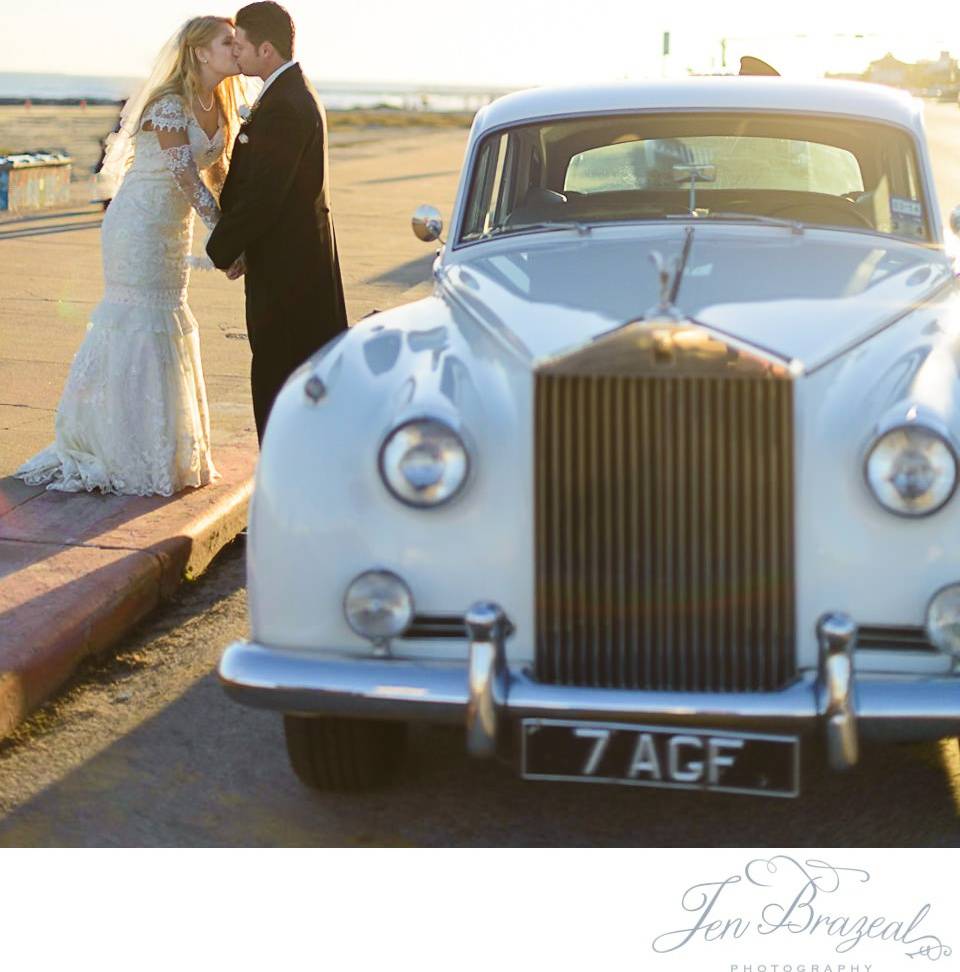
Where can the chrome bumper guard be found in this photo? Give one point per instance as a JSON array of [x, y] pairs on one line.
[[485, 693]]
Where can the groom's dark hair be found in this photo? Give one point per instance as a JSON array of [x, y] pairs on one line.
[[268, 21]]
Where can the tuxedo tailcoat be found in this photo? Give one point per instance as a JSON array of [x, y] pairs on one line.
[[275, 210]]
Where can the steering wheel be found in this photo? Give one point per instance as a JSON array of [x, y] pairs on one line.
[[830, 208]]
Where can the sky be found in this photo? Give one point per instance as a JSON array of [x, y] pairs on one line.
[[497, 42]]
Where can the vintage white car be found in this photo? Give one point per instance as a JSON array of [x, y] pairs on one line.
[[659, 481]]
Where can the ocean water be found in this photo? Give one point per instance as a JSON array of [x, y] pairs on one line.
[[335, 94]]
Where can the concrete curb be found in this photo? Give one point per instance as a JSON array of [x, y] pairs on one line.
[[78, 570]]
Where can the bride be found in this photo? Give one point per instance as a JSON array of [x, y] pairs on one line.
[[133, 414]]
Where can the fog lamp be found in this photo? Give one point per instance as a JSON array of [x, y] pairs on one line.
[[378, 605], [943, 620]]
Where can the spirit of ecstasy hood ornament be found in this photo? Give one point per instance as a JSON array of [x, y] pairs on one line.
[[671, 276]]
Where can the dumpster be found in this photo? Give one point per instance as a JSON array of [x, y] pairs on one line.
[[34, 180]]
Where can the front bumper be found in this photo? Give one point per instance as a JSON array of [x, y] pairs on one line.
[[484, 694]]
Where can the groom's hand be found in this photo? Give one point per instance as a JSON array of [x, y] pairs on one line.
[[237, 269]]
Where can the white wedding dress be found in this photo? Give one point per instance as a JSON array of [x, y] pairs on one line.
[[133, 414]]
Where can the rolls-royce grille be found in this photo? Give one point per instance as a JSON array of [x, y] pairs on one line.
[[664, 532]]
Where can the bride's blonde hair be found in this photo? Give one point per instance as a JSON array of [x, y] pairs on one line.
[[184, 80]]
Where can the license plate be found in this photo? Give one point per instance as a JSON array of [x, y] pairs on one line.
[[671, 758]]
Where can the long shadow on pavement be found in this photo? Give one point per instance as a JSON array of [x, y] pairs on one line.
[[407, 274], [205, 772]]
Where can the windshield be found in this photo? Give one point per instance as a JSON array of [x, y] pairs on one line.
[[808, 169]]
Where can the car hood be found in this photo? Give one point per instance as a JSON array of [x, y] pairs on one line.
[[801, 296]]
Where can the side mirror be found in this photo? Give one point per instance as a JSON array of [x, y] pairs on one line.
[[955, 220], [427, 224]]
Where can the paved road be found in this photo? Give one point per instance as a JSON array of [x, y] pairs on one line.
[[943, 135], [145, 749]]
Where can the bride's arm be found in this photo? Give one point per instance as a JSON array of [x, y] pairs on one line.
[[168, 119]]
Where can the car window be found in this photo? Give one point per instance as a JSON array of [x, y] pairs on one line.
[[487, 193], [758, 163], [816, 170]]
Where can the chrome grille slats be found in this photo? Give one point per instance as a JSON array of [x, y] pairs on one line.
[[664, 531], [761, 408], [784, 562], [608, 613], [720, 594], [581, 578], [709, 593], [734, 534], [643, 571], [695, 568], [620, 515], [592, 585], [662, 513]]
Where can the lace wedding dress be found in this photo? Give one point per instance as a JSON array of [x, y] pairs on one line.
[[133, 414]]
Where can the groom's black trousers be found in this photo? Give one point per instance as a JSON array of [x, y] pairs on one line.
[[294, 307]]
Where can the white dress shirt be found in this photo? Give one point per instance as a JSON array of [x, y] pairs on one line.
[[273, 77]]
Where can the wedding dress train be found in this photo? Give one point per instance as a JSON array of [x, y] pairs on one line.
[[133, 416]]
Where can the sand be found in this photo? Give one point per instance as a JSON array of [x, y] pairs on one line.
[[79, 130]]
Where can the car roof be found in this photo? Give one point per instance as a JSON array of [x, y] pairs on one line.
[[734, 93]]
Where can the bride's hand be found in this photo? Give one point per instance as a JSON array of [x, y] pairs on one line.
[[237, 269]]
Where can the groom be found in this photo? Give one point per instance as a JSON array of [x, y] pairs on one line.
[[275, 223]]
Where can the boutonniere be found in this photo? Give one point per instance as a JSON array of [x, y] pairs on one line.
[[246, 113]]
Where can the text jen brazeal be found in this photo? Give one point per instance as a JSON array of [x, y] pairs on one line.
[[792, 905]]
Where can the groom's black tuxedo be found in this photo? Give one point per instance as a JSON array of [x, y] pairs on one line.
[[275, 209]]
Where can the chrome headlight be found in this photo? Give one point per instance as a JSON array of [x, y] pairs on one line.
[[912, 470], [378, 605], [424, 462]]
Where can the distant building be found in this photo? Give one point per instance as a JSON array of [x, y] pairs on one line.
[[942, 71], [921, 77], [889, 70]]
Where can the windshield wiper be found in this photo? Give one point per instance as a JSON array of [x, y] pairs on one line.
[[581, 228], [792, 224]]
